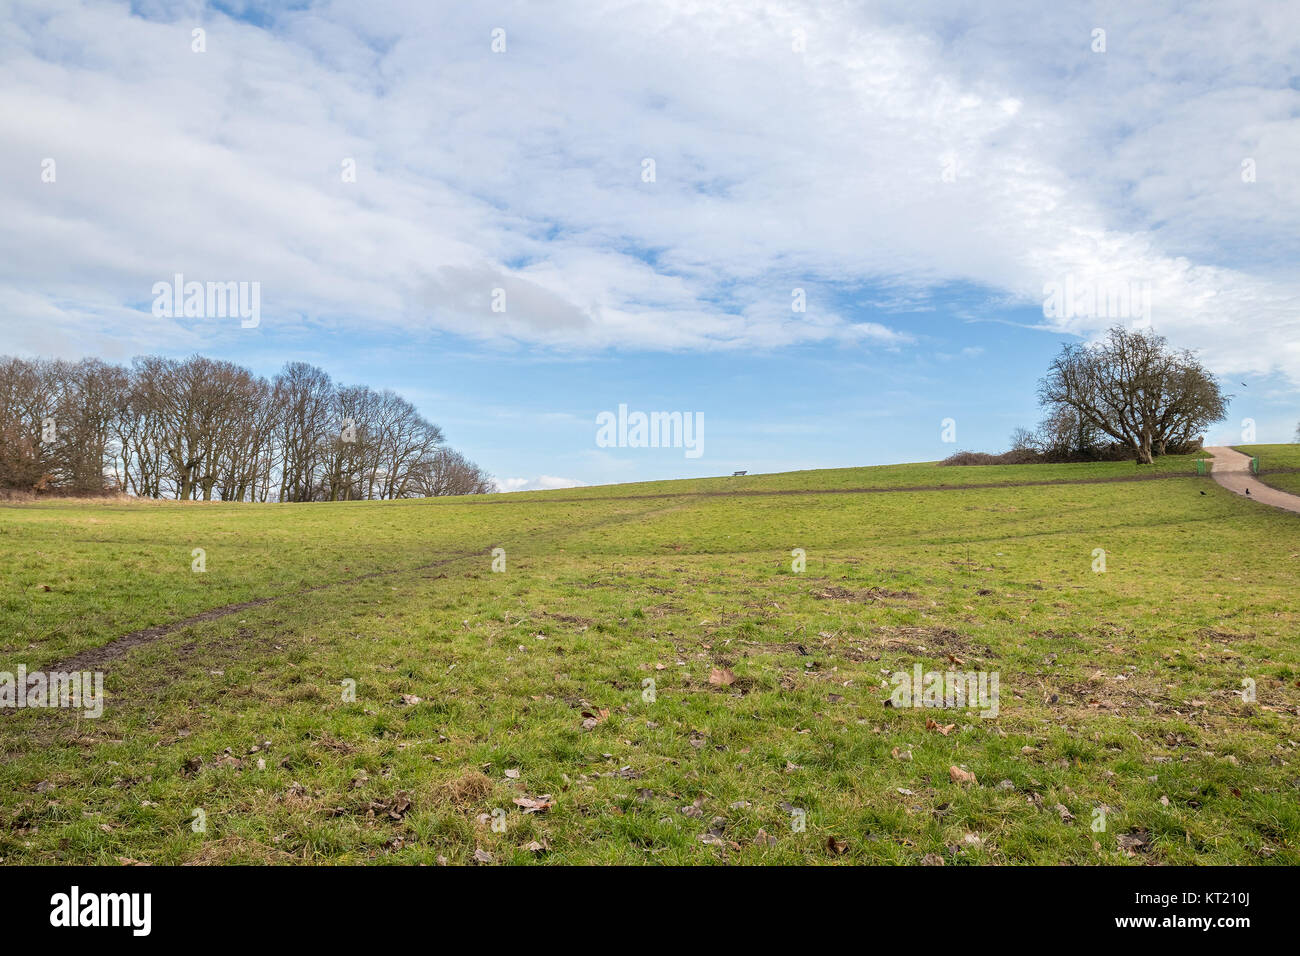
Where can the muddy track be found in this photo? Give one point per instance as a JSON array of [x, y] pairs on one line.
[[96, 657]]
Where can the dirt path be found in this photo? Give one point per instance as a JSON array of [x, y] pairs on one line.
[[1231, 469], [95, 658]]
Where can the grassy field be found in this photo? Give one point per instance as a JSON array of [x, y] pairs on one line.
[[1277, 456], [649, 680]]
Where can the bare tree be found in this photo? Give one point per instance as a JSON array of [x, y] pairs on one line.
[[305, 396], [204, 429], [1133, 388], [90, 397], [448, 472], [1022, 439], [27, 399]]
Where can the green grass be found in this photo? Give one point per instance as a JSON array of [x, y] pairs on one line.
[[1277, 456], [1118, 690], [920, 475]]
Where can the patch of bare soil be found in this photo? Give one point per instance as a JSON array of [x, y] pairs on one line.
[[570, 619], [927, 641], [1225, 637], [663, 610], [836, 593]]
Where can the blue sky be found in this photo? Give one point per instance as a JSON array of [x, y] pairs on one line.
[[921, 170]]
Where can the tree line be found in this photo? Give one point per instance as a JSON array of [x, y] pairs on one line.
[[203, 429]]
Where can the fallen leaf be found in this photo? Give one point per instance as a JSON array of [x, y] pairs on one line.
[[1138, 840], [959, 775], [721, 677], [535, 805]]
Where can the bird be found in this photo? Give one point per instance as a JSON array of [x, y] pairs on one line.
[[1202, 492], [1247, 491]]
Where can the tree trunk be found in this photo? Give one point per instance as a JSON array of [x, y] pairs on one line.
[[1144, 450]]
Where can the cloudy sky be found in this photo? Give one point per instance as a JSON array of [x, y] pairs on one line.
[[558, 208]]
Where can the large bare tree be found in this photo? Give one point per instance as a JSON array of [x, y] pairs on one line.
[[1134, 388]]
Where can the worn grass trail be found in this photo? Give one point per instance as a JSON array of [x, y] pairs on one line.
[[1120, 691]]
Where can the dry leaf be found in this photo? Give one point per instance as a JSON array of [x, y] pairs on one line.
[[1138, 840], [535, 805], [721, 677], [959, 775]]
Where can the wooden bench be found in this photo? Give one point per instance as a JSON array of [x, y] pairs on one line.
[[737, 474]]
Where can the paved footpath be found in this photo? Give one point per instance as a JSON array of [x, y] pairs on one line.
[[1232, 470]]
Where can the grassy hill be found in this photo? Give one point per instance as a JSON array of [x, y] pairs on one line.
[[1272, 457], [1120, 693]]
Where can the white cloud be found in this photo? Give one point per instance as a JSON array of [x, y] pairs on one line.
[[521, 171], [540, 483]]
